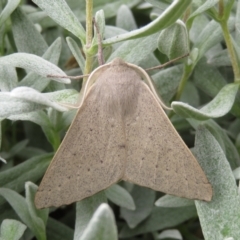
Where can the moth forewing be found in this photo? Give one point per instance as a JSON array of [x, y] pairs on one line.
[[149, 82], [161, 159], [90, 157], [92, 79], [120, 132]]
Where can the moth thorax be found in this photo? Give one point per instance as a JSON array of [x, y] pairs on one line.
[[119, 94]]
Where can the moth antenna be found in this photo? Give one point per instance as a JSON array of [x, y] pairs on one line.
[[100, 51], [167, 63]]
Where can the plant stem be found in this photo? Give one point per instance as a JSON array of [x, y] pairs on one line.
[[89, 30], [186, 74], [221, 8], [223, 20], [89, 37], [231, 50], [56, 142]]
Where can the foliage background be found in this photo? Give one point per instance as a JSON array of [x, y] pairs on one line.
[[202, 89]]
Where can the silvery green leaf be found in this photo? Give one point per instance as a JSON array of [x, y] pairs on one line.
[[236, 173], [120, 197], [84, 212], [17, 148], [169, 201], [208, 79], [38, 117], [135, 51], [8, 78], [13, 106], [148, 62], [26, 37], [170, 234], [210, 36], [160, 218], [219, 218], [8, 9], [64, 96], [144, 5], [11, 229], [218, 107], [111, 31], [76, 52], [205, 6], [157, 4], [236, 48], [173, 41], [102, 225], [168, 17], [125, 19], [67, 117], [109, 7], [36, 17], [167, 80], [3, 160], [237, 23], [199, 22], [31, 189], [51, 122], [228, 7], [57, 230], [60, 12], [220, 59], [34, 63], [24, 100], [223, 139], [37, 82], [144, 206], [190, 94], [100, 22], [30, 94], [31, 169], [18, 203]]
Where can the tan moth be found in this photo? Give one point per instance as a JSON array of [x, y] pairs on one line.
[[121, 132]]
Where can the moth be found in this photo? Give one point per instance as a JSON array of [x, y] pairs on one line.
[[121, 132]]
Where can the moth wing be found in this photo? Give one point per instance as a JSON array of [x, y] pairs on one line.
[[89, 159], [157, 157]]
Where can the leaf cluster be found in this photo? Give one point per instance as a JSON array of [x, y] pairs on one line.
[[40, 40]]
